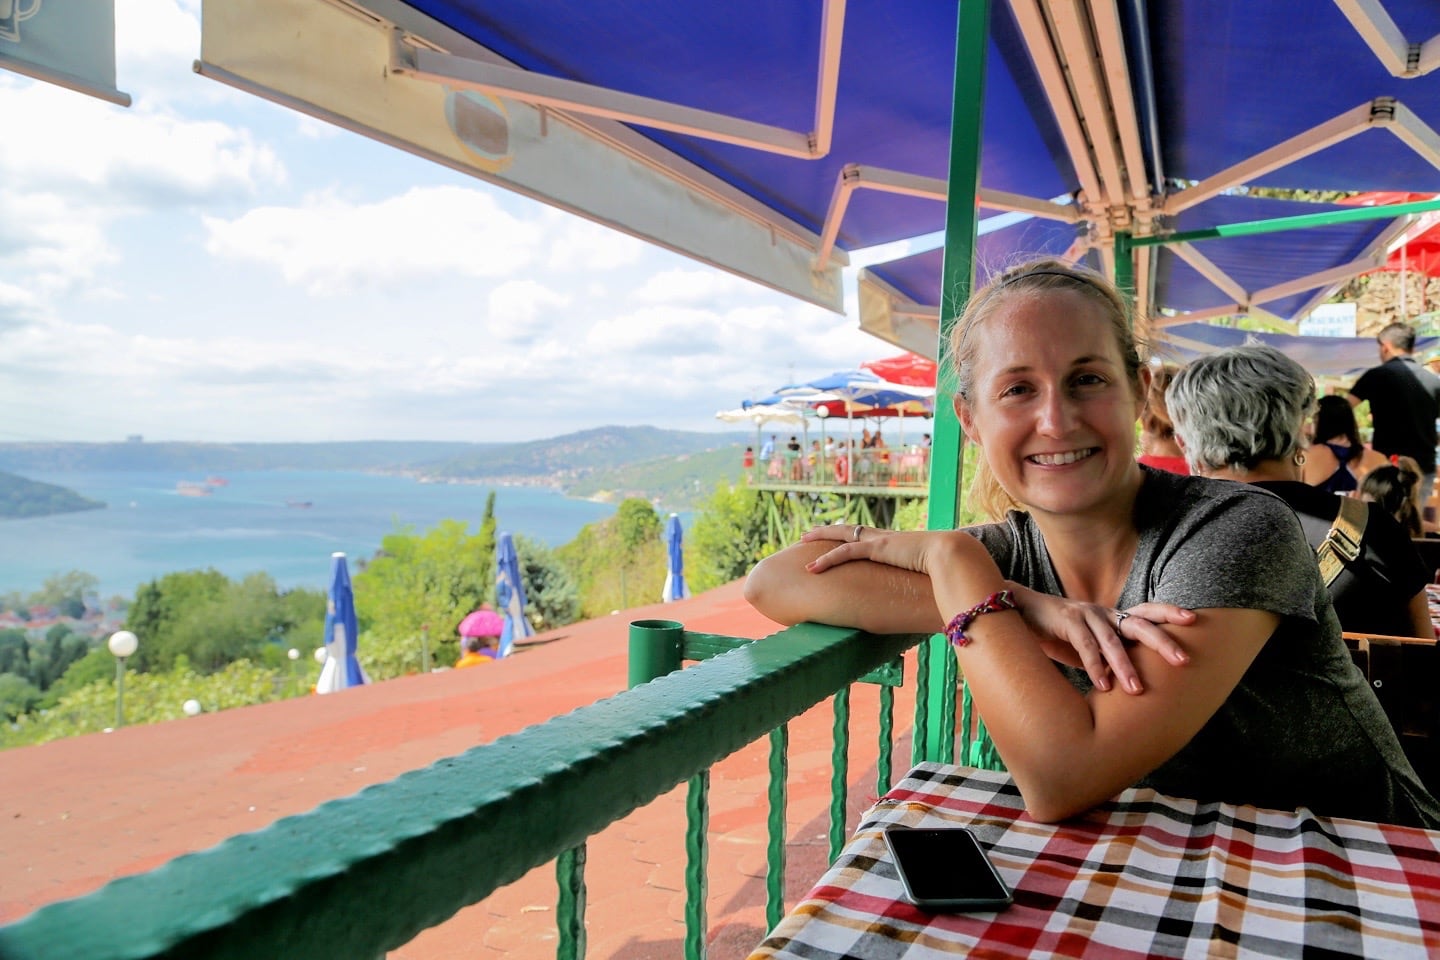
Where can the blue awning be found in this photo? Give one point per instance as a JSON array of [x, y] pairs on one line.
[[1147, 123]]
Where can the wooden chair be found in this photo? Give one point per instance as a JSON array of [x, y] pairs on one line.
[[1404, 672]]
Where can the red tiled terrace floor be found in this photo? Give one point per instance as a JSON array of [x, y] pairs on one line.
[[77, 813]]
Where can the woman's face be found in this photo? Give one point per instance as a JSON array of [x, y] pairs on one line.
[[1051, 404]]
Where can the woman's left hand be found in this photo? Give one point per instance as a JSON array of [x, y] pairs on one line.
[[1097, 634]]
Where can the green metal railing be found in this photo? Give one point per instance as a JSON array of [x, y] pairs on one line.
[[359, 876]]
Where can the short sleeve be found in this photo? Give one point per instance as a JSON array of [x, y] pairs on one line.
[[999, 541], [1239, 549], [1362, 387]]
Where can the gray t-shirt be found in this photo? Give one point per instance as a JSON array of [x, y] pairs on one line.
[[1302, 728]]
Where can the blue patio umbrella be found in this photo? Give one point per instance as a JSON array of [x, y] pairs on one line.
[[341, 669], [674, 574], [510, 594]]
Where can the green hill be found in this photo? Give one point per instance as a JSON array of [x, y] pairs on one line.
[[20, 497], [675, 483]]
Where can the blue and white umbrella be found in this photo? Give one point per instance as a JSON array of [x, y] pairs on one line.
[[510, 594], [675, 573], [341, 668]]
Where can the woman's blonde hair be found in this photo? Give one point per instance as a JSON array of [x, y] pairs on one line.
[[1029, 279]]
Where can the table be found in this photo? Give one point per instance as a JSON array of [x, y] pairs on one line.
[[1145, 875]]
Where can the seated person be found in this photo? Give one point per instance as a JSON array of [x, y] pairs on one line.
[[1393, 489], [1338, 461], [477, 650], [1240, 415], [1158, 448], [1239, 689]]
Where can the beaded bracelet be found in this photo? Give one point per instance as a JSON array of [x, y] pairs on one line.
[[997, 602]]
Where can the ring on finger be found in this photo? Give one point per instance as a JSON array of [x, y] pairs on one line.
[[1120, 617], [855, 534]]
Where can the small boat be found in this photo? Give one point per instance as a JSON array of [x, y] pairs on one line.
[[189, 488], [213, 481], [299, 503]]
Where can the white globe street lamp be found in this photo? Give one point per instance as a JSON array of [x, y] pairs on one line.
[[320, 654], [191, 708], [122, 644]]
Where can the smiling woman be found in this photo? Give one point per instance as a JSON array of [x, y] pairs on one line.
[[1237, 687]]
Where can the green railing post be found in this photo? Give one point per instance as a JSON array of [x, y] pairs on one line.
[[961, 220], [655, 649], [839, 771], [570, 907], [1124, 263], [775, 827], [697, 855]]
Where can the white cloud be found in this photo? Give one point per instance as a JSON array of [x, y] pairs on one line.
[[692, 286], [330, 246], [520, 309], [580, 245]]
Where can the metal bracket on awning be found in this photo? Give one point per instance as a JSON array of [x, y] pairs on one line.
[[540, 90]]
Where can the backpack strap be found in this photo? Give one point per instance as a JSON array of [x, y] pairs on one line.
[[1342, 544]]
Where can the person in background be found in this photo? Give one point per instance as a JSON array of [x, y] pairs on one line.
[[1239, 689], [473, 652], [925, 440], [1158, 448], [748, 460], [767, 449], [1404, 401], [1392, 489], [1240, 415], [1337, 461]]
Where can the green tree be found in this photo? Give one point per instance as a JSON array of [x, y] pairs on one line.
[[66, 592], [17, 696], [61, 647], [97, 666], [433, 579], [15, 653], [618, 562], [727, 538], [551, 597], [212, 621]]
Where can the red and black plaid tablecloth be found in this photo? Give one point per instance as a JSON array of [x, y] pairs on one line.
[[1145, 875]]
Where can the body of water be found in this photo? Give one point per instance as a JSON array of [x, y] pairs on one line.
[[283, 522]]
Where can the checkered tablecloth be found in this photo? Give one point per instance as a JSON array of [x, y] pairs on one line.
[[1145, 875]]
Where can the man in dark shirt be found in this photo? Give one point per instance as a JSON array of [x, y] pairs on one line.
[[1404, 402]]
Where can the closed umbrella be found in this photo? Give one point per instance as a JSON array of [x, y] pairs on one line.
[[341, 669], [675, 573], [510, 594]]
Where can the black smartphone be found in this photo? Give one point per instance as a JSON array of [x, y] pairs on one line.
[[945, 869]]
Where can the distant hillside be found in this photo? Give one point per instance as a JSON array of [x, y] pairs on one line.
[[564, 461], [669, 465], [219, 457], [676, 483], [30, 498]]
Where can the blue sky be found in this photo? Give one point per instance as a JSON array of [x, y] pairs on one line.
[[205, 265]]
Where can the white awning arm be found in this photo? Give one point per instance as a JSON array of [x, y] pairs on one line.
[[1329, 133], [1057, 91], [421, 62], [1195, 316], [1204, 266], [1381, 34], [856, 176]]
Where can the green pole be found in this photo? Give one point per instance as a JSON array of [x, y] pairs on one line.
[[1304, 221], [961, 219], [655, 647], [119, 692], [1125, 264]]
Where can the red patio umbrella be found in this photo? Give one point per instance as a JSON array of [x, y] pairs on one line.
[[910, 369]]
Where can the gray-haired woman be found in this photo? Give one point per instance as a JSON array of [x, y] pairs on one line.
[[1239, 414]]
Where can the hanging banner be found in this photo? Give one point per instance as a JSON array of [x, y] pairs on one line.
[[70, 43]]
